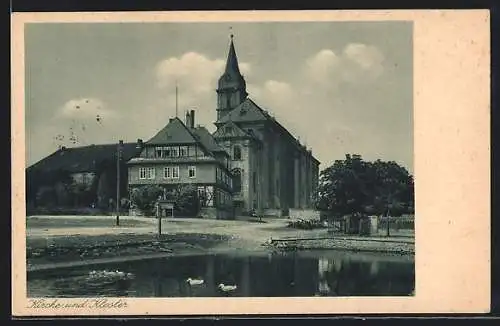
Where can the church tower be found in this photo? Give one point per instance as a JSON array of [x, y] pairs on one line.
[[231, 90]]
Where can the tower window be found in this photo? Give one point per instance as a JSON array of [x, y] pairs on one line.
[[237, 153], [236, 180]]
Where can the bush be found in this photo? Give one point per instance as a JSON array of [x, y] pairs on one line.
[[145, 197]]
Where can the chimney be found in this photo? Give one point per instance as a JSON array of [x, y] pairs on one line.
[[192, 119], [139, 143], [170, 120], [188, 119]]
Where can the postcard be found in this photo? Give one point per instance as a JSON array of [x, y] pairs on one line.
[[250, 162]]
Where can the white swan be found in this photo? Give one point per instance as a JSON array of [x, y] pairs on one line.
[[192, 282], [227, 288]]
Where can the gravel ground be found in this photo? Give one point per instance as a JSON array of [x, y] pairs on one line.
[[77, 238]]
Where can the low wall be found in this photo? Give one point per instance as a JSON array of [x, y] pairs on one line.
[[305, 214], [275, 212]]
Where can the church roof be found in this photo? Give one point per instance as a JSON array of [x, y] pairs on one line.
[[232, 61], [83, 159], [247, 111], [232, 76], [231, 130]]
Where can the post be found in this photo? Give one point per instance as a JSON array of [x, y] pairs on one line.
[[118, 157], [158, 216]]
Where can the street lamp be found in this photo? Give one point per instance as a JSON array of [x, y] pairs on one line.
[[118, 158]]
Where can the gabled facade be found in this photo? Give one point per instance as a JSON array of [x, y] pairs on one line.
[[181, 154]]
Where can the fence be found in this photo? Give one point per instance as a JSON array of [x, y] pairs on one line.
[[403, 225]]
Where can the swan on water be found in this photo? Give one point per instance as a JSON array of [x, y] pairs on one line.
[[191, 281], [227, 288]]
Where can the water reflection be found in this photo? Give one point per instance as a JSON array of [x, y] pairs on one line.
[[252, 276]]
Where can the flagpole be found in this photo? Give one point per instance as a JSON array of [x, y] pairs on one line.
[[176, 100]]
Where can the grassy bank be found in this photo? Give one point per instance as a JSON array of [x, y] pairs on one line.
[[64, 239], [81, 248]]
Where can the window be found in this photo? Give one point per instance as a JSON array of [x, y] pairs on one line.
[[237, 153], [146, 173], [171, 151], [175, 172], [183, 151], [192, 171], [229, 129], [171, 172], [237, 180]]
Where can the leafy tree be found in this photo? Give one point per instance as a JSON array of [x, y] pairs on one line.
[[186, 199], [355, 187], [145, 197]]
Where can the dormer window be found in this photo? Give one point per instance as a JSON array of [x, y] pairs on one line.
[[229, 129]]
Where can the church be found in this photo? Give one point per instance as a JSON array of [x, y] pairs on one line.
[[250, 164]]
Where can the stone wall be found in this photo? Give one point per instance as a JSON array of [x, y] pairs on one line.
[[306, 214]]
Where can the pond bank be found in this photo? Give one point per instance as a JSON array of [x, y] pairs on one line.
[[403, 247], [84, 250], [86, 241]]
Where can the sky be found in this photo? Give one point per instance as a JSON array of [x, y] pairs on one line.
[[339, 87]]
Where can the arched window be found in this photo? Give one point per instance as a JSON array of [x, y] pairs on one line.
[[237, 153], [236, 180]]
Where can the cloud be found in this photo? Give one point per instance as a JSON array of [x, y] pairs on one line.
[[84, 121], [84, 108], [314, 104], [192, 70], [356, 63], [320, 67], [196, 76]]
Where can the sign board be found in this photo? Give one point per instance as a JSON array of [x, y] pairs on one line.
[[169, 206]]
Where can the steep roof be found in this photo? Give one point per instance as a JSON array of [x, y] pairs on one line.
[[83, 159], [207, 139], [231, 130], [232, 61], [175, 132], [247, 111]]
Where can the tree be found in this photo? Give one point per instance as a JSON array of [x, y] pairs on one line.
[[356, 187], [343, 188], [186, 199], [145, 197]]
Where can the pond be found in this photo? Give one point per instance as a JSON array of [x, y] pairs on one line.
[[255, 275]]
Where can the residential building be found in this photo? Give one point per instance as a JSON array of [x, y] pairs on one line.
[[185, 154]]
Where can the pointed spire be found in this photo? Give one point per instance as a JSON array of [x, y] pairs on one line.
[[232, 60]]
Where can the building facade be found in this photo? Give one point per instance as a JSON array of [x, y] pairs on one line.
[[250, 164], [272, 171], [182, 154]]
